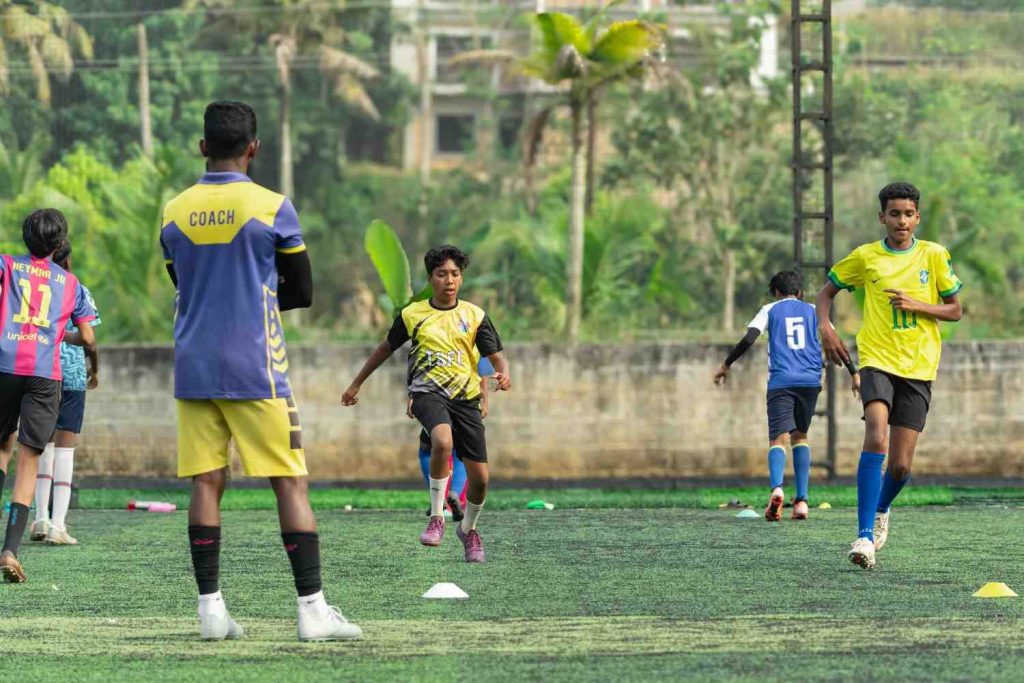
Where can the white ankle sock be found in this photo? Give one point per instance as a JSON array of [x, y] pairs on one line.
[[212, 604], [315, 603], [471, 515], [437, 491], [44, 481], [63, 468]]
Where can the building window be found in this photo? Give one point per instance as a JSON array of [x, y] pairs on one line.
[[455, 133], [448, 47], [509, 128]]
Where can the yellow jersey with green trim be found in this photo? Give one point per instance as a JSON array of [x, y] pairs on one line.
[[446, 347], [903, 344], [222, 237]]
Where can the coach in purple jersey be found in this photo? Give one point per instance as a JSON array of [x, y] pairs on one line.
[[235, 252], [37, 298]]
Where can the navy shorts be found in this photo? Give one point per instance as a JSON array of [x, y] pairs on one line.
[[791, 409], [72, 411]]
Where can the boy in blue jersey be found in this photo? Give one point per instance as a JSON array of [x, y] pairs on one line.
[[57, 463], [37, 299], [794, 382], [235, 252]]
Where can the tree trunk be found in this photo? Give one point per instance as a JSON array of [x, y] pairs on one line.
[[146, 120], [591, 144], [729, 287], [285, 133], [574, 257]]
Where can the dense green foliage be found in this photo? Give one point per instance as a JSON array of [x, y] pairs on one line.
[[692, 210], [629, 595]]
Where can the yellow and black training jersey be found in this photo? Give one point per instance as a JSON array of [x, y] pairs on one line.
[[445, 345], [900, 343]]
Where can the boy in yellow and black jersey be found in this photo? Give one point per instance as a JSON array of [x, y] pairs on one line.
[[909, 286], [447, 335]]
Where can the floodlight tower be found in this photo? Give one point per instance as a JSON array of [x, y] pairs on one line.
[[812, 169]]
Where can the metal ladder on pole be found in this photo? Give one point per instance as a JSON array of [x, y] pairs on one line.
[[812, 161]]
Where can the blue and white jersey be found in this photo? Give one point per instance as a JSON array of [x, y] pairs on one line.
[[72, 358], [794, 353]]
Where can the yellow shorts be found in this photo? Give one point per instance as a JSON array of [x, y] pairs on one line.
[[267, 435]]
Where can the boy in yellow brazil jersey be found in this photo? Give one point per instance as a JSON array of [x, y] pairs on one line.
[[909, 286], [447, 336]]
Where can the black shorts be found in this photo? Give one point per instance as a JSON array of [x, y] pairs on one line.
[[35, 401], [72, 411], [464, 418], [791, 409], [908, 399]]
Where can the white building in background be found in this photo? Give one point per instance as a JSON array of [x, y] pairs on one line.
[[450, 117]]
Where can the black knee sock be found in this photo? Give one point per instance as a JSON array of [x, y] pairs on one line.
[[204, 542], [303, 550], [16, 522]]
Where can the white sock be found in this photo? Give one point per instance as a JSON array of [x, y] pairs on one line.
[[63, 468], [437, 489], [44, 480], [212, 604], [315, 603], [471, 514]]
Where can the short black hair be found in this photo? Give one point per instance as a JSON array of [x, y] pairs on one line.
[[438, 255], [228, 127], [61, 256], [899, 191], [43, 231], [786, 283]]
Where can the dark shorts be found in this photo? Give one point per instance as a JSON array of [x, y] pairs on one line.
[[35, 401], [464, 418], [72, 411], [908, 399], [791, 409]]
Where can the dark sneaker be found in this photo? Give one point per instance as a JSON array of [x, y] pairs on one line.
[[11, 568], [434, 532], [473, 543], [456, 507]]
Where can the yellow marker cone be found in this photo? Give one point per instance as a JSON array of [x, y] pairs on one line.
[[825, 506], [994, 589]]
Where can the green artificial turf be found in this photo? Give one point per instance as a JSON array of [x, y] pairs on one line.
[[588, 595]]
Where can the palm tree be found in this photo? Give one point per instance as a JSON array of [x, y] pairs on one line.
[[586, 57], [295, 29], [48, 36]]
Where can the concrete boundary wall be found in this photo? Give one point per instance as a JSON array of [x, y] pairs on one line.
[[639, 410]]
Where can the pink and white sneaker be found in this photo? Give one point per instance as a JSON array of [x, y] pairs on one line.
[[773, 513], [434, 532], [473, 544]]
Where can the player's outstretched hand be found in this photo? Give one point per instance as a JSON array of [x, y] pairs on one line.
[[93, 381], [856, 385], [503, 381], [350, 397], [721, 374], [834, 348]]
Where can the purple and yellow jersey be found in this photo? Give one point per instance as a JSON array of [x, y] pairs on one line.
[[37, 300], [222, 236]]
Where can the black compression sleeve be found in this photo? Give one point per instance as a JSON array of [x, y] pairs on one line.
[[741, 348], [295, 283], [174, 276]]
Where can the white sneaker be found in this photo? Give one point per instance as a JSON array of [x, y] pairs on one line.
[[325, 622], [219, 627], [862, 553], [40, 528], [58, 536], [881, 528]]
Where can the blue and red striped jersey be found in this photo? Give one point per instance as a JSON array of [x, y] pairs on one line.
[[38, 298]]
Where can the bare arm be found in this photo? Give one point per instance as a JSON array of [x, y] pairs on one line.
[[485, 401], [834, 348], [376, 359], [949, 310], [500, 375], [92, 353]]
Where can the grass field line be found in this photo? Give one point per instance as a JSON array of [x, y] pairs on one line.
[[561, 636]]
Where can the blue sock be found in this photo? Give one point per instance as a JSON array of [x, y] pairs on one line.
[[801, 468], [776, 465], [425, 464], [869, 481], [458, 477], [891, 487]]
